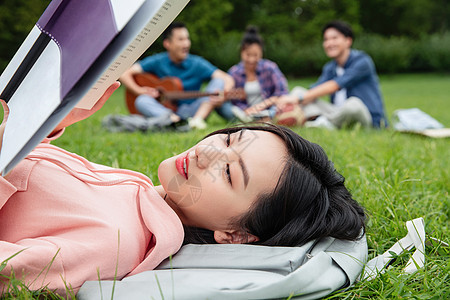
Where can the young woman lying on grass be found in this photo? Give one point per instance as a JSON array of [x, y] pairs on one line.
[[71, 220]]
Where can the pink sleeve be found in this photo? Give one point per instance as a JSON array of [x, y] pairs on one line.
[[40, 260]]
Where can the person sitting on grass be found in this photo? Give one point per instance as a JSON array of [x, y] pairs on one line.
[[191, 69], [65, 220], [351, 81], [260, 78]]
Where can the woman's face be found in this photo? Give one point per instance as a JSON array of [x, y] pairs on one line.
[[220, 178], [251, 55]]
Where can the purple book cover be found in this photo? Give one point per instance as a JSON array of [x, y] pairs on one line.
[[82, 29]]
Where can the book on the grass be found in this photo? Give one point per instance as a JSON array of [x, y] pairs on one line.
[[76, 50]]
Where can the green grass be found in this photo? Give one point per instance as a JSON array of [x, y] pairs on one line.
[[396, 177]]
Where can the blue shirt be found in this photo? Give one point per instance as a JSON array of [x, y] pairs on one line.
[[361, 80], [192, 71]]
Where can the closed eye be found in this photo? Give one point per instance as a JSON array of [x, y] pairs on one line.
[[228, 174], [227, 139], [227, 166]]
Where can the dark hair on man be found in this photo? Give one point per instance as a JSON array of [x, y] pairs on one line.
[[340, 26], [251, 36], [167, 34], [310, 200]]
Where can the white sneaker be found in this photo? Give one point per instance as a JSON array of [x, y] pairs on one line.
[[320, 122], [197, 123], [241, 115]]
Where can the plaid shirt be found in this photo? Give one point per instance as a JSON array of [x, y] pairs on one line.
[[271, 80]]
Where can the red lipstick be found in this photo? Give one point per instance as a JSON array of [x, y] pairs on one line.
[[182, 165]]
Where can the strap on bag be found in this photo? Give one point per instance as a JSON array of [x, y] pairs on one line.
[[414, 238]]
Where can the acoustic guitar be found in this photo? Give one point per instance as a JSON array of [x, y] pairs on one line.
[[171, 90]]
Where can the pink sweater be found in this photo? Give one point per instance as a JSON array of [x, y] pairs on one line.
[[73, 219]]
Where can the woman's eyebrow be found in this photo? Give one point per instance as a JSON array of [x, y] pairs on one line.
[[240, 134], [244, 172], [242, 164]]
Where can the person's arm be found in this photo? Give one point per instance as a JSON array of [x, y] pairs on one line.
[[227, 79], [128, 80], [359, 69], [323, 90], [78, 114], [326, 88], [228, 85]]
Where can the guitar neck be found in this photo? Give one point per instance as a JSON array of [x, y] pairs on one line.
[[178, 95]]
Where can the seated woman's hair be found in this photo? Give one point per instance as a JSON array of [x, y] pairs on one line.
[[310, 200], [251, 36]]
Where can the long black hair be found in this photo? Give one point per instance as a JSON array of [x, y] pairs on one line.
[[310, 200]]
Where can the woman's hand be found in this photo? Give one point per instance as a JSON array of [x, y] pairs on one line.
[[261, 106], [5, 118], [78, 114]]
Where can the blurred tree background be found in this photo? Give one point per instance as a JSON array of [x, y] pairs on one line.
[[400, 35]]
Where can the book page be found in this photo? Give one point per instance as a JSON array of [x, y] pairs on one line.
[[30, 107]]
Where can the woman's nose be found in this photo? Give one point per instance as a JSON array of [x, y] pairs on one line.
[[208, 155]]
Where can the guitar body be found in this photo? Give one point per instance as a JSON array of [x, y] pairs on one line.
[[163, 85]]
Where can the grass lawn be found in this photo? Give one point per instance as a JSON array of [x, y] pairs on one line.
[[397, 177]]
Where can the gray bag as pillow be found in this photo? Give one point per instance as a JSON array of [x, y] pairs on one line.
[[311, 271]]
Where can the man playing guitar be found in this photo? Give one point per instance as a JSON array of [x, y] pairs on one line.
[[191, 69]]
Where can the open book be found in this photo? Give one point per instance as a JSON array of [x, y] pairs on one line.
[[76, 50]]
